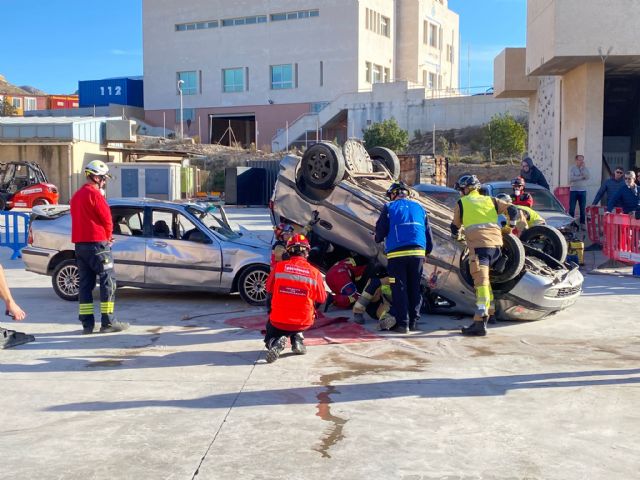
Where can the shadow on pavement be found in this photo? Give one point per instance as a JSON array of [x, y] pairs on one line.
[[431, 388]]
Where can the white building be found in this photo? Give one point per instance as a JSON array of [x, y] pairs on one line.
[[249, 67]]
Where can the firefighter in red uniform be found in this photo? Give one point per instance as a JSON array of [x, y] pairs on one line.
[[295, 288], [519, 196], [343, 279], [91, 231]]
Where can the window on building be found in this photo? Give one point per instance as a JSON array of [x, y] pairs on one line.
[[190, 85], [321, 73], [16, 102], [367, 72], [183, 27], [377, 74], [281, 76], [432, 82], [231, 22], [233, 79], [385, 26], [433, 35], [30, 104], [450, 55], [188, 114]]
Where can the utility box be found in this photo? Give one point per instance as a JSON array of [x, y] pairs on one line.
[[151, 180], [121, 131], [245, 186]]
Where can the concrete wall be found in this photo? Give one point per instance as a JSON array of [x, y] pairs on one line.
[[582, 113], [544, 128], [509, 79]]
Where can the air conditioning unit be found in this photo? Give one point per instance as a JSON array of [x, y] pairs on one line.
[[121, 131]]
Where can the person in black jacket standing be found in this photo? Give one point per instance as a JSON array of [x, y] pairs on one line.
[[532, 174]]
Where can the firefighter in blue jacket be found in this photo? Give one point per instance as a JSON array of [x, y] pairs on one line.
[[404, 226]]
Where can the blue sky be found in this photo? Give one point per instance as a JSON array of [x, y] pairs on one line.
[[52, 44]]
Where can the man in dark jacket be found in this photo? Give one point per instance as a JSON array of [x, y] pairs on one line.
[[404, 226], [625, 198], [610, 187], [532, 174]]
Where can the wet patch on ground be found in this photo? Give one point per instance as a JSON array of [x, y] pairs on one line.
[[104, 364], [392, 360]]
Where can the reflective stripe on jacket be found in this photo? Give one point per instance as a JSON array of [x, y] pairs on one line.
[[295, 285]]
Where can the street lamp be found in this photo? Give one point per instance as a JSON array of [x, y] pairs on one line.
[[180, 83]]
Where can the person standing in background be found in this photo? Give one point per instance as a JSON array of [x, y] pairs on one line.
[[610, 187], [532, 174], [578, 177]]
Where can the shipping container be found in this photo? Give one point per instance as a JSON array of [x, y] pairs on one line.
[[62, 102], [102, 93], [153, 180]]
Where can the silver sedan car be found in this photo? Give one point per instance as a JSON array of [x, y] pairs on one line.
[[349, 198], [158, 244]]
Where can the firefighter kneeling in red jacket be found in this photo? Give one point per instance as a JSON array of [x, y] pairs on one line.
[[345, 279], [295, 288]]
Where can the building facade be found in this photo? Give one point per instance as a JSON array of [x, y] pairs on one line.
[[580, 71], [248, 68]]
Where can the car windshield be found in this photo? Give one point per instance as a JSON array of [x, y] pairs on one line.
[[207, 215], [543, 199]]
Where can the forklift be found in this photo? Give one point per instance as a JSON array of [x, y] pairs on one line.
[[24, 185]]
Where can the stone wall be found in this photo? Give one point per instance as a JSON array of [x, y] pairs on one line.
[[542, 126]]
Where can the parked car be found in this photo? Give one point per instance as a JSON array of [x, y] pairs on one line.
[[158, 244], [446, 195], [544, 203], [349, 202], [24, 185]]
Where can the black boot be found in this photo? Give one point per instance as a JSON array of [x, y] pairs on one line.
[[275, 347], [478, 328], [358, 318], [328, 303], [492, 320]]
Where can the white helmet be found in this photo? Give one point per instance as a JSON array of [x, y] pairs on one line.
[[96, 167]]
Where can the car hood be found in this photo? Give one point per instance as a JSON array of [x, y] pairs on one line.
[[250, 240], [556, 219]]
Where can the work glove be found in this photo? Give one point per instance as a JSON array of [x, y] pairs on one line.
[[507, 229], [316, 218]]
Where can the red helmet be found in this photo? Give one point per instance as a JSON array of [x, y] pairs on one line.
[[281, 229], [518, 182], [298, 242]]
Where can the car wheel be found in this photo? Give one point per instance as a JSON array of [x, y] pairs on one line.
[[252, 285], [66, 281], [323, 166], [547, 239], [388, 158], [40, 201], [512, 249]]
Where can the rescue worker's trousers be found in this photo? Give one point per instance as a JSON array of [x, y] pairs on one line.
[[344, 296], [94, 259], [372, 300], [480, 261], [274, 332], [405, 274]]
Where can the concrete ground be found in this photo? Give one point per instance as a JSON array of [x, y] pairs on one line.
[[181, 395]]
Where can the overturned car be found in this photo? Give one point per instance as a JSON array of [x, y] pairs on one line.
[[347, 187]]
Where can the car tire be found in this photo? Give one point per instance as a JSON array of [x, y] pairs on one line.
[[548, 239], [513, 249], [66, 280], [388, 158], [252, 284], [40, 201], [323, 166]]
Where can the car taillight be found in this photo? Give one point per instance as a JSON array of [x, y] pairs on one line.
[[271, 205], [30, 236]]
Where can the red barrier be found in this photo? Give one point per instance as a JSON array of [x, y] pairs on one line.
[[622, 237], [562, 194], [595, 228]]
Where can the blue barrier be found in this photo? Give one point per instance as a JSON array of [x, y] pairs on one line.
[[14, 231]]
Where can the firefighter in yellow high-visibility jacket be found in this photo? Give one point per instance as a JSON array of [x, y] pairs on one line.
[[478, 215]]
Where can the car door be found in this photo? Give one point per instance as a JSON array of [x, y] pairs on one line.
[[129, 246], [181, 254]]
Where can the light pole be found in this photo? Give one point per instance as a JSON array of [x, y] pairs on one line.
[[180, 83]]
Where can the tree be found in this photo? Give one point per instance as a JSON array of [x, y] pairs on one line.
[[386, 134], [6, 108], [506, 137]]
